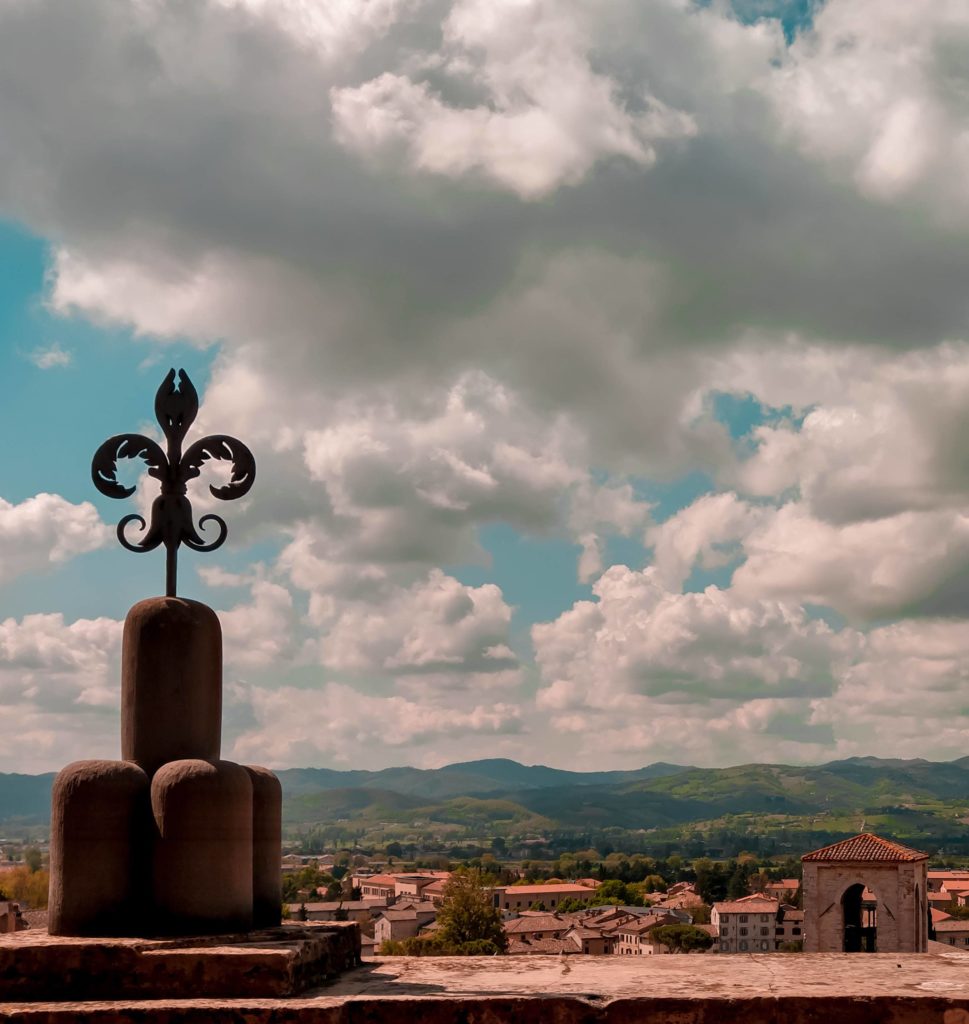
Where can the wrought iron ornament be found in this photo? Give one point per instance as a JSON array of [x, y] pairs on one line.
[[171, 512]]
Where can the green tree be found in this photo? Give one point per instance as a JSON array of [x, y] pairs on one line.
[[468, 913], [701, 914], [612, 890], [682, 938], [33, 858]]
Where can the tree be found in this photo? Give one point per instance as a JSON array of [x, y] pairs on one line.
[[612, 890], [27, 887], [468, 913], [682, 938], [33, 858]]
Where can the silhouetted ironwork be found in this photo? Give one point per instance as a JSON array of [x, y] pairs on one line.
[[171, 512]]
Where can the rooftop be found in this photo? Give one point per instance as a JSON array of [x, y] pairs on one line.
[[865, 847]]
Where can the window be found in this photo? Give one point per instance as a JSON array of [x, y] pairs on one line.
[[743, 918], [795, 931], [765, 931], [763, 945], [743, 945], [765, 917], [743, 931], [724, 946]]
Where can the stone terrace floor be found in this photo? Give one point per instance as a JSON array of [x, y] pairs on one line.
[[773, 989]]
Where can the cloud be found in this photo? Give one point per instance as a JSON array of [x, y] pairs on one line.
[[338, 724], [464, 263], [59, 690], [723, 677], [45, 530], [51, 357], [545, 118], [878, 90], [436, 625]]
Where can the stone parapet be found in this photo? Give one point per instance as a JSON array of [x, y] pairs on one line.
[[704, 989], [275, 962]]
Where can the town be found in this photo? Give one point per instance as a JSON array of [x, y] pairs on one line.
[[397, 909]]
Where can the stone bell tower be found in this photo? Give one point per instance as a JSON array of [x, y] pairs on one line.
[[865, 895]]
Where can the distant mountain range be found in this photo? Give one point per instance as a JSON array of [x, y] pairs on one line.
[[907, 798]]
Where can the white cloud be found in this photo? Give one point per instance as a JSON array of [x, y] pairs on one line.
[[723, 677], [45, 530], [438, 624], [470, 263], [51, 357], [59, 691], [879, 88], [340, 725]]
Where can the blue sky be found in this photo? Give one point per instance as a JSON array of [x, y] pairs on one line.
[[605, 368]]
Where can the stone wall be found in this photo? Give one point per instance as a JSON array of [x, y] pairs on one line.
[[901, 915]]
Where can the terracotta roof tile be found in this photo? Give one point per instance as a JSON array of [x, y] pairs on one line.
[[865, 847], [952, 924], [518, 946]]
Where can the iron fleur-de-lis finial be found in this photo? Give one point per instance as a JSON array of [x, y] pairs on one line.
[[171, 512]]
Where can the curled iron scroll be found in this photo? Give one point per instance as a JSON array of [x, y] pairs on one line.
[[171, 521]]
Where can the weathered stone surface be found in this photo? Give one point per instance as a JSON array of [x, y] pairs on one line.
[[274, 962], [739, 989], [267, 847], [900, 890], [202, 858], [171, 683], [100, 826]]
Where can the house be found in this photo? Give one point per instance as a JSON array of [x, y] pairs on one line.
[[936, 880], [591, 941], [952, 932], [376, 886], [361, 911], [396, 923], [521, 897], [435, 891], [746, 925], [411, 887], [677, 887], [682, 900], [789, 926], [524, 945], [634, 938], [537, 926], [956, 891], [10, 918], [785, 887]]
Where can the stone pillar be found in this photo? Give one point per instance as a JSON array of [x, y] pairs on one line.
[[202, 864], [99, 854], [171, 683], [267, 847]]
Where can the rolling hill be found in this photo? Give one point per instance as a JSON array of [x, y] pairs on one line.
[[907, 798]]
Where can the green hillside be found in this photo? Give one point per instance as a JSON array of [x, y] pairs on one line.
[[917, 800]]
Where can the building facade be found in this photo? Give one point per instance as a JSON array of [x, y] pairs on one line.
[[865, 894], [747, 925]]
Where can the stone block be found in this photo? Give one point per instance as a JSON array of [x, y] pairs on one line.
[[202, 861], [277, 962], [100, 827], [171, 683], [267, 847]]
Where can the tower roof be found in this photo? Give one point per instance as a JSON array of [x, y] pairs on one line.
[[865, 847]]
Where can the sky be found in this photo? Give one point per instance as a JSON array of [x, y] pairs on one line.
[[606, 366]]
